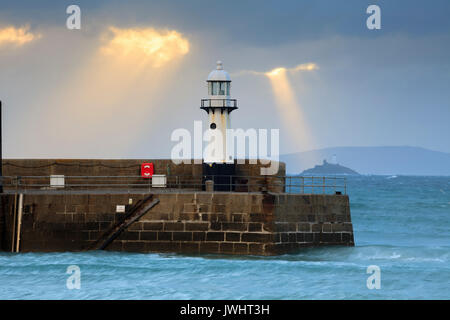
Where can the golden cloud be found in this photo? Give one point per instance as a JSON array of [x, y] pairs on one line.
[[301, 67], [305, 67], [157, 46], [275, 72], [17, 36], [310, 66]]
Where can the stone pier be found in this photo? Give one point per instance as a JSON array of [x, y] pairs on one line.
[[259, 218], [184, 222]]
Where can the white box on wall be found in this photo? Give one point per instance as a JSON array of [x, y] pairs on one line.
[[159, 181], [57, 181]]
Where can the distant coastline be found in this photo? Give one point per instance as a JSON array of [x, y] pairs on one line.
[[395, 160], [327, 168]]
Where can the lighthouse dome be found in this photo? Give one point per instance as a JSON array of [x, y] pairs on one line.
[[219, 74]]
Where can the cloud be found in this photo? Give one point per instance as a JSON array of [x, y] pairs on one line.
[[157, 46], [17, 36], [305, 67], [310, 66]]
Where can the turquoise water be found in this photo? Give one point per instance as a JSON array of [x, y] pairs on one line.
[[401, 224]]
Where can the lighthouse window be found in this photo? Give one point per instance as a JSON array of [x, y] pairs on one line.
[[215, 88], [222, 88], [213, 126], [210, 88]]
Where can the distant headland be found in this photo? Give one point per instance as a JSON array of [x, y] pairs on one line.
[[387, 160], [329, 168]]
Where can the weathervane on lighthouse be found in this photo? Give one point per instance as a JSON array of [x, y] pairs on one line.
[[218, 106]]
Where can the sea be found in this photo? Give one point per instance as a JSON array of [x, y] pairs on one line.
[[402, 251]]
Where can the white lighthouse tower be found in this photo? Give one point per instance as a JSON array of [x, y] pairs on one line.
[[218, 106]]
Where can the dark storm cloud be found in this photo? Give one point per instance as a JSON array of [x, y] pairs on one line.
[[383, 87], [259, 23]]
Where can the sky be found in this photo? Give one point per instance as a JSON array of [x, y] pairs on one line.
[[136, 71]]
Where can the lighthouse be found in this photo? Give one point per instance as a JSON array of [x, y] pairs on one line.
[[218, 107]]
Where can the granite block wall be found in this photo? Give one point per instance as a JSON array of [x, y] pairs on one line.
[[194, 222], [187, 175]]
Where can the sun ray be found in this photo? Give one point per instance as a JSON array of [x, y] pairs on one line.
[[290, 110], [116, 88]]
